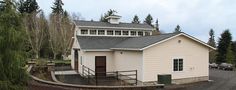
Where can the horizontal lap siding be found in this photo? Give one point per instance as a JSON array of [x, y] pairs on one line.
[[159, 59], [75, 45], [128, 60], [89, 60]]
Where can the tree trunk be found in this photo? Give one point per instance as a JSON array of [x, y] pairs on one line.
[[54, 56], [37, 56]]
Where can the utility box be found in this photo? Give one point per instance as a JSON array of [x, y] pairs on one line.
[[164, 79]]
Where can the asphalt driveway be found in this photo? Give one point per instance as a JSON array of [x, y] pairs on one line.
[[222, 80]]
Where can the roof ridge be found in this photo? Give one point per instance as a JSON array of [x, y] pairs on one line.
[[107, 22]]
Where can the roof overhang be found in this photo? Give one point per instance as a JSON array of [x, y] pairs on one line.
[[120, 28], [94, 50], [184, 34], [113, 16], [130, 49], [162, 41]]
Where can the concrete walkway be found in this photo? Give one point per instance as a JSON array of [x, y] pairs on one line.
[[70, 72]]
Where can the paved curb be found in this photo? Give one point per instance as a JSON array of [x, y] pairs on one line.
[[58, 83], [54, 77]]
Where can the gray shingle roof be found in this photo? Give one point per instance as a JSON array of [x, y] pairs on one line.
[[104, 42], [141, 42], [106, 24], [99, 42]]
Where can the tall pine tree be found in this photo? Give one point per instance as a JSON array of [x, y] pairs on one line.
[[234, 50], [148, 20], [211, 42], [55, 27], [136, 20], [230, 55], [57, 7], [157, 25], [12, 56], [223, 44], [28, 6]]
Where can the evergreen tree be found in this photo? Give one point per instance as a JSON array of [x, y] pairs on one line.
[[230, 55], [211, 42], [57, 7], [223, 44], [148, 20], [234, 50], [157, 26], [31, 6], [28, 6], [177, 29], [12, 57], [21, 6], [108, 13], [136, 20]]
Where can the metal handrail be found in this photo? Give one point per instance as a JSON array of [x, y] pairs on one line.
[[90, 73]]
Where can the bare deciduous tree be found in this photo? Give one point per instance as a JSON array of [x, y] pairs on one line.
[[35, 26], [54, 35], [67, 28]]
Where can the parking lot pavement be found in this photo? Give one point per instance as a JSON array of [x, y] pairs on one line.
[[222, 80]]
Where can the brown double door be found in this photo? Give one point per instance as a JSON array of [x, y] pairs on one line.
[[76, 59], [100, 65]]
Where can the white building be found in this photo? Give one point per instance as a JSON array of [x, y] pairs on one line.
[[115, 46]]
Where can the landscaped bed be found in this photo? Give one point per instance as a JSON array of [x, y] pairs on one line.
[[40, 69], [41, 72]]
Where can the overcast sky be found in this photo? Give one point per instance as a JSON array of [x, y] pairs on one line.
[[196, 17]]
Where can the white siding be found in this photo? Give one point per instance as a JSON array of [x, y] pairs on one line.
[[128, 60], [159, 59], [89, 60], [74, 46]]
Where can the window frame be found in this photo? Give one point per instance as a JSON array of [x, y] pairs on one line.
[[93, 30], [180, 64], [84, 30], [101, 34], [140, 32], [125, 34], [147, 33], [132, 34], [109, 32], [118, 31]]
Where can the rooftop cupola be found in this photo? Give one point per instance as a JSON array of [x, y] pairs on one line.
[[113, 19]]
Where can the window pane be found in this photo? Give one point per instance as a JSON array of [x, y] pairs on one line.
[[133, 33], [147, 33], [84, 31], [109, 32], [101, 32], [125, 32], [180, 64], [93, 32], [118, 32], [175, 68], [140, 33]]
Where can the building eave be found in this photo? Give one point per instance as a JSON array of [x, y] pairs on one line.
[[94, 50], [101, 27], [130, 49], [184, 34]]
